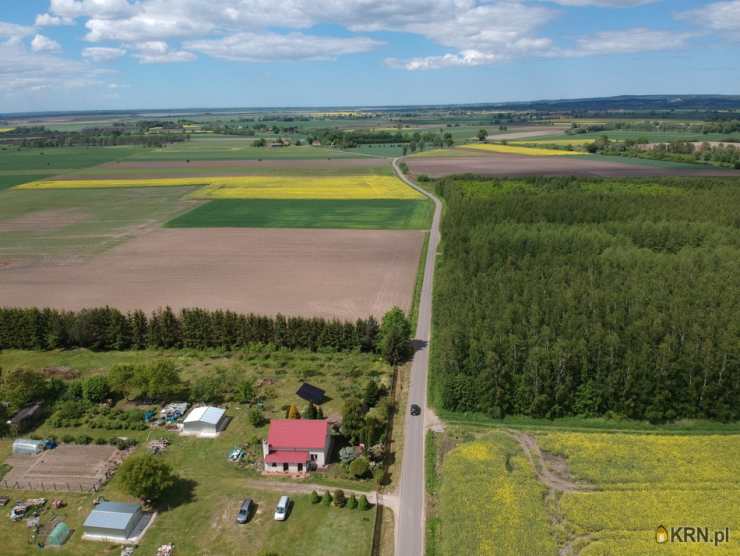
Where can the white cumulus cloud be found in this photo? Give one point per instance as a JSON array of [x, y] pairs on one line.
[[40, 43], [603, 3], [159, 52], [719, 16], [103, 54], [46, 20], [271, 47], [628, 41], [9, 30]]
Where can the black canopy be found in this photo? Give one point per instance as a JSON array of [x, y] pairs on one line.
[[310, 393]]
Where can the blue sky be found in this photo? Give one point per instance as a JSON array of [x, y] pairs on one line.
[[119, 54]]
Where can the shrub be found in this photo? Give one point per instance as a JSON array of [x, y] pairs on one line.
[[422, 177], [359, 467], [95, 388], [347, 454], [83, 440], [352, 502], [314, 498], [339, 498], [68, 439], [101, 441], [75, 389], [326, 500], [364, 505], [379, 476], [255, 417]]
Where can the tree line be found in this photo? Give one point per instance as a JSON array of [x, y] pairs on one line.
[[107, 328], [103, 139], [566, 297], [704, 128]]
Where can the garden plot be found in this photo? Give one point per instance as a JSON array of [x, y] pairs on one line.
[[67, 468]]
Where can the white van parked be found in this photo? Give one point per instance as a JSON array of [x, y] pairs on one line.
[[281, 512]]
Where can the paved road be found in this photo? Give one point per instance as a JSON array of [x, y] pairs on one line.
[[410, 519]]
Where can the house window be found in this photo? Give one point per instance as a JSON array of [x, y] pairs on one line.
[[274, 464], [314, 457]]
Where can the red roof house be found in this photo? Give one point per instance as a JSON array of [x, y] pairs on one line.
[[296, 445]]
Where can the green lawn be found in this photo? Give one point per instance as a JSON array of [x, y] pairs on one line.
[[80, 223], [275, 213]]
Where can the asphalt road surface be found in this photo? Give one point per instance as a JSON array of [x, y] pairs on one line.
[[410, 539]]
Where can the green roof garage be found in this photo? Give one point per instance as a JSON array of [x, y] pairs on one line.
[[113, 520]]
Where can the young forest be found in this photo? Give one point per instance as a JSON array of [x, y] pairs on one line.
[[589, 297]]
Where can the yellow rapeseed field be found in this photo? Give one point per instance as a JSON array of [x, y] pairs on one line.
[[644, 481], [490, 502], [6, 129], [349, 187], [259, 187], [517, 150]]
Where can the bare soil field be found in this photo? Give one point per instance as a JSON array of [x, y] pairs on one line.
[[330, 273], [66, 468], [512, 165], [216, 164], [524, 134]]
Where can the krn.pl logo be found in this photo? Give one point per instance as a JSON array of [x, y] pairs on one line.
[[661, 535]]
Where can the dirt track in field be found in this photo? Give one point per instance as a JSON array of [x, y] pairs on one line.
[[216, 164], [330, 273], [512, 165]]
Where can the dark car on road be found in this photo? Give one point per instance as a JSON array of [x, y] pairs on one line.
[[243, 515], [415, 409]]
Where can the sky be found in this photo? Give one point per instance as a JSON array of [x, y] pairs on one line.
[[150, 54]]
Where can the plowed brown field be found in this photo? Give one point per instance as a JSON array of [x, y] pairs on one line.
[[512, 165], [331, 273]]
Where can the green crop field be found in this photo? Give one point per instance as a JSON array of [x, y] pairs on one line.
[[78, 224], [451, 153], [646, 162], [234, 150], [350, 214], [54, 159]]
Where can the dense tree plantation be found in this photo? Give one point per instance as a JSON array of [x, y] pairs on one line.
[[108, 329], [563, 296]]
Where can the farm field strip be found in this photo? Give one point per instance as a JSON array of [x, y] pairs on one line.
[[358, 187], [139, 173], [327, 214], [518, 150], [254, 187]]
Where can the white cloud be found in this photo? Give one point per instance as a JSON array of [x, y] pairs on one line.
[[603, 3], [477, 32], [158, 52], [271, 47], [40, 43], [627, 41], [103, 55], [108, 9], [9, 30], [720, 16], [46, 20], [28, 72], [117, 86]]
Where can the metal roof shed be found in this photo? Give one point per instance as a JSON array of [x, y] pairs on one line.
[[205, 420], [28, 447], [113, 520]]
